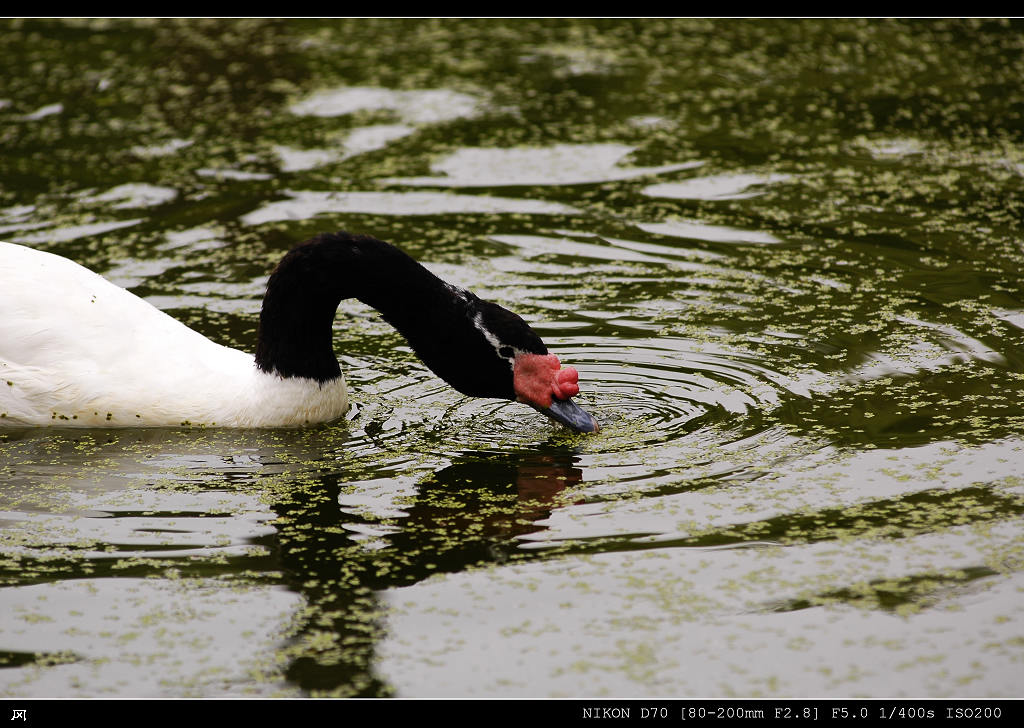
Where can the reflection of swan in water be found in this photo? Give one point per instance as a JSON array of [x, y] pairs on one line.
[[466, 514], [76, 350]]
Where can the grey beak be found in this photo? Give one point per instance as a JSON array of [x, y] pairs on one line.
[[571, 415]]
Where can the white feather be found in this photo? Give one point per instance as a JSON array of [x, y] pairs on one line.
[[77, 350]]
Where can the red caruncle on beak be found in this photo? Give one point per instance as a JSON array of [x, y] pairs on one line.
[[537, 378]]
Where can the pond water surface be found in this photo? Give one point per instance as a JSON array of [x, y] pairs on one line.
[[785, 257]]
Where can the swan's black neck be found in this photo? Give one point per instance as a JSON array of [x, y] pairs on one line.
[[466, 341]]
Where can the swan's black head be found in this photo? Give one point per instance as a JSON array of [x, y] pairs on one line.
[[478, 347]]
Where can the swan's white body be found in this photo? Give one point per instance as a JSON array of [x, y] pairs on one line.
[[77, 350]]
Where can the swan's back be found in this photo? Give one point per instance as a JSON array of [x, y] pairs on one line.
[[57, 313], [77, 349]]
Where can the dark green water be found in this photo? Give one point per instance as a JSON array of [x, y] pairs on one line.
[[785, 257]]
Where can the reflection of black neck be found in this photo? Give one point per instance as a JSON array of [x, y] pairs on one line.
[[325, 570]]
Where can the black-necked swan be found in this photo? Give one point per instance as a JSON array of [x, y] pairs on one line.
[[77, 350]]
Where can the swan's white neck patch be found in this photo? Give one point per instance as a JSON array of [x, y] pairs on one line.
[[493, 340]]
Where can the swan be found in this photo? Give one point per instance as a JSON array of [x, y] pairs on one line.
[[77, 350]]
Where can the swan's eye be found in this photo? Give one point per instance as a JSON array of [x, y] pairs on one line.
[[506, 351]]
